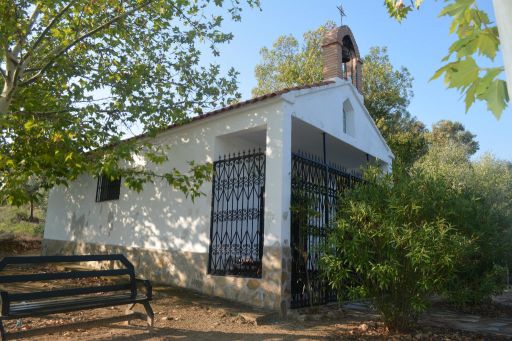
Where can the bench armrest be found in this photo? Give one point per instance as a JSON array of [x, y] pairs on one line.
[[147, 285]]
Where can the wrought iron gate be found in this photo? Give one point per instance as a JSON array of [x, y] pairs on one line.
[[315, 190], [236, 232]]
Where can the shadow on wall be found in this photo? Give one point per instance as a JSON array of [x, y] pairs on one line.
[[163, 233]]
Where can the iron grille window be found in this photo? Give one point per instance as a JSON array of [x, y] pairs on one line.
[[316, 187], [236, 234], [107, 189]]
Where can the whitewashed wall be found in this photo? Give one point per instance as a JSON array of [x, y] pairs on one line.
[[323, 108], [160, 217]]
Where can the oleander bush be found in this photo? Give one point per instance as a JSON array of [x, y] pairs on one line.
[[441, 226], [389, 249], [482, 211]]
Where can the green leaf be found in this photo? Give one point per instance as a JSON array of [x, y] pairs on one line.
[[488, 43], [497, 97], [397, 9], [462, 73], [485, 82], [470, 96], [456, 8], [464, 47], [439, 72], [30, 124]]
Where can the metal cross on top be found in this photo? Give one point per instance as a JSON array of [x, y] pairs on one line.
[[342, 13]]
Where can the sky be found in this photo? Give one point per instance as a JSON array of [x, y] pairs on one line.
[[419, 43]]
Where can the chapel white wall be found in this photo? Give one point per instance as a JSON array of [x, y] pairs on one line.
[[323, 108], [162, 218]]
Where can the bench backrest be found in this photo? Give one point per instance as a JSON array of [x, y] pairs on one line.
[[27, 296]]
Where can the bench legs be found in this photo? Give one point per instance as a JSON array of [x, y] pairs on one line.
[[129, 311], [130, 308], [3, 334], [149, 313]]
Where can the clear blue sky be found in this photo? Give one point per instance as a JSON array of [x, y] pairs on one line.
[[419, 43]]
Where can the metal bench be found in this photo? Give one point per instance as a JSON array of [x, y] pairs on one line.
[[123, 291]]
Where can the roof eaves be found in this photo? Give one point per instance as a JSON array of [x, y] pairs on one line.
[[239, 105]]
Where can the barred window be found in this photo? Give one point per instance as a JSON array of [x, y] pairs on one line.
[[107, 189]]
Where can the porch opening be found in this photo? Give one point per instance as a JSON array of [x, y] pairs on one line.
[[322, 168], [237, 207], [316, 187], [236, 233]]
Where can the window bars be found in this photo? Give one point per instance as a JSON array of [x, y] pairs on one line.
[[236, 232], [107, 189], [316, 187]]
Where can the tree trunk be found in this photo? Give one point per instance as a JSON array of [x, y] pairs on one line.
[[12, 73], [6, 95], [4, 105], [31, 210]]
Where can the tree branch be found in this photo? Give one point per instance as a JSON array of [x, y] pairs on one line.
[[17, 48], [81, 38], [14, 68], [44, 113], [61, 111], [46, 30]]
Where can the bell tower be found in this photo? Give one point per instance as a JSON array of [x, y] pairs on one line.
[[341, 56]]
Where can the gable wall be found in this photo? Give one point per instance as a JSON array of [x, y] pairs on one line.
[[323, 108]]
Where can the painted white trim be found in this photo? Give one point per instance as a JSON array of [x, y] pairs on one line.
[[360, 99], [289, 98]]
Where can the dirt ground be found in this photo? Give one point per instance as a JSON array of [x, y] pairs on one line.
[[185, 315], [182, 314], [12, 244]]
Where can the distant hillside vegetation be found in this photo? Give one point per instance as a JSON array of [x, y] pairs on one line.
[[16, 220]]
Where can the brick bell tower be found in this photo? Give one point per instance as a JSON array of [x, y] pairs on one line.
[[341, 56]]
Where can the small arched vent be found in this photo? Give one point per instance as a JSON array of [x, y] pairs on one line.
[[348, 120]]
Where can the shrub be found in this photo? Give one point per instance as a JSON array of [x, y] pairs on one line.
[[442, 226], [389, 246], [480, 209]]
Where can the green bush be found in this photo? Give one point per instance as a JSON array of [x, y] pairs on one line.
[[442, 226], [391, 247], [481, 210]]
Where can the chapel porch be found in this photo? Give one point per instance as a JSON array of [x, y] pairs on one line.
[[251, 170]]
